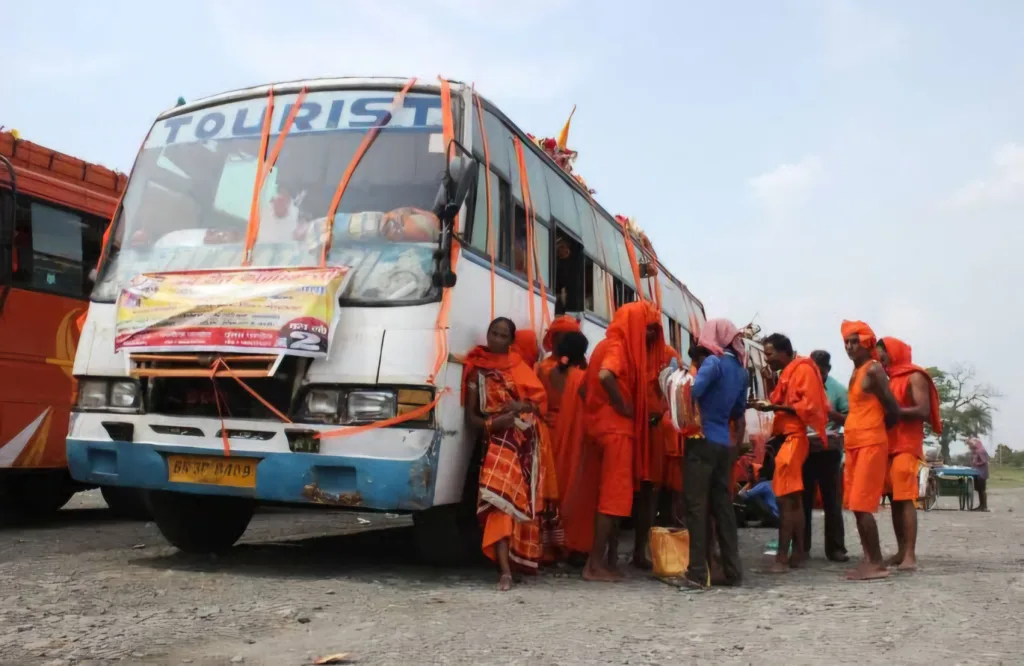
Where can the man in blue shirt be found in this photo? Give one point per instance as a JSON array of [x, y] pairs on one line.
[[720, 391], [821, 470]]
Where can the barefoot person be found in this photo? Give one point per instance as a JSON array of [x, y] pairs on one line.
[[918, 400], [720, 391], [615, 394], [664, 452], [800, 403], [503, 401], [577, 487], [872, 410]]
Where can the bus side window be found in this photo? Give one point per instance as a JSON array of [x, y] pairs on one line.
[[49, 249], [571, 292]]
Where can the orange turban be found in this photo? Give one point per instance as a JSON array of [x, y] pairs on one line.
[[563, 324], [864, 334]]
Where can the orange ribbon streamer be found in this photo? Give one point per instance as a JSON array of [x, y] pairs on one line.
[[350, 170], [491, 250], [265, 165]]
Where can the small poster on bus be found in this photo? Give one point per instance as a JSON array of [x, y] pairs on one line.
[[273, 311]]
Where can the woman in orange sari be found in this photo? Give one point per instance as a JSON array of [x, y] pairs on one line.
[[504, 401]]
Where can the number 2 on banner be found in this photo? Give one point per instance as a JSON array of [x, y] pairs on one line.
[[304, 341]]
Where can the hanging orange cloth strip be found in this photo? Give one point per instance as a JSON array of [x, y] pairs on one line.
[[631, 252], [609, 285], [491, 250], [441, 327], [252, 232], [261, 159], [368, 139], [524, 188]]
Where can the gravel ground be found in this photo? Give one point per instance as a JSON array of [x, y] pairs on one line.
[[91, 590]]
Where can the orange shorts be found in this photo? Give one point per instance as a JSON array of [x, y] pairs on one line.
[[789, 465], [902, 483], [615, 497], [864, 477]]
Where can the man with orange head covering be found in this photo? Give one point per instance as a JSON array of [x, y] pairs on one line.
[[800, 403], [918, 400], [872, 410], [615, 395]]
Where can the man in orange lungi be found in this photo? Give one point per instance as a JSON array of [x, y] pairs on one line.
[[872, 410], [800, 403], [918, 400]]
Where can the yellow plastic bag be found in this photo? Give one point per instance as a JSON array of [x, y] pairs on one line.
[[670, 551]]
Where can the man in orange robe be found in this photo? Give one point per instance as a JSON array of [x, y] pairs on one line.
[[872, 411], [799, 402], [615, 394], [918, 400]]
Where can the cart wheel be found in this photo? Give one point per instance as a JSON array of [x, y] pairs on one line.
[[970, 494], [931, 497]]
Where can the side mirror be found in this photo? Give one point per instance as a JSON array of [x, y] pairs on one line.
[[460, 175]]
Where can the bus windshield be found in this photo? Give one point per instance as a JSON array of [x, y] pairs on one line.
[[188, 202]]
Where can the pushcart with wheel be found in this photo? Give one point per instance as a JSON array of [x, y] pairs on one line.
[[958, 481]]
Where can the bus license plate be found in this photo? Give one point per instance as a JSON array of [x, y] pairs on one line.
[[213, 470]]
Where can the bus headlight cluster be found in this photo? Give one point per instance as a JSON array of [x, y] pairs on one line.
[[116, 394], [357, 406]]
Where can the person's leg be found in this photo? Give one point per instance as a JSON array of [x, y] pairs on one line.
[[597, 568], [981, 485], [647, 505], [504, 566], [696, 485], [811, 477], [797, 555], [867, 481], [725, 518], [909, 529], [615, 501], [897, 512], [829, 482]]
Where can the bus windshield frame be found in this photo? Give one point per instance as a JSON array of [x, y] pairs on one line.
[[188, 201]]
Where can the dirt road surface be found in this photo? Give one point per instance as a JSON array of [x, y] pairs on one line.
[[91, 590]]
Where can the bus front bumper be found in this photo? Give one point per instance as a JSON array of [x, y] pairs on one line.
[[344, 476]]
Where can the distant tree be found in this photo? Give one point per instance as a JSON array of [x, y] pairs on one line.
[[1004, 455], [965, 404]]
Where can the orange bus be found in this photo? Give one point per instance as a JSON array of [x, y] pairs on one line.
[[53, 211]]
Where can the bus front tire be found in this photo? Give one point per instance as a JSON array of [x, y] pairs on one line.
[[34, 495], [127, 503], [200, 523]]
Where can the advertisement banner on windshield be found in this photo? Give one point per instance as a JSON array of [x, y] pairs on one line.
[[273, 311]]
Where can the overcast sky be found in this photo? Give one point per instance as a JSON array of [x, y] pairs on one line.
[[803, 161]]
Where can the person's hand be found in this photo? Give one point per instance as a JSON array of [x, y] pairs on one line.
[[503, 421]]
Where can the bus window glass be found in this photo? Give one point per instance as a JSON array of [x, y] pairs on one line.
[[535, 169], [563, 206], [587, 231], [478, 238], [608, 239], [542, 239], [48, 242], [188, 202]]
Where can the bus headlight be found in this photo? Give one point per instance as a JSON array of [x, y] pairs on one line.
[[92, 394], [322, 404], [124, 395], [118, 395], [370, 406]]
